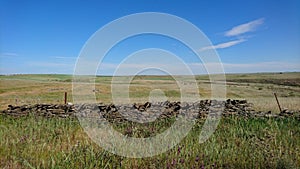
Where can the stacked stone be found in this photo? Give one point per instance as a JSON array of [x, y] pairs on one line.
[[147, 112], [48, 110], [286, 113]]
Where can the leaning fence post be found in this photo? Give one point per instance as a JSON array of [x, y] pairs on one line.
[[66, 97], [277, 102]]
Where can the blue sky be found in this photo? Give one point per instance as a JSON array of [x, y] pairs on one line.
[[249, 36]]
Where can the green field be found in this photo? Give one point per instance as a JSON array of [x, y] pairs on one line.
[[37, 142]]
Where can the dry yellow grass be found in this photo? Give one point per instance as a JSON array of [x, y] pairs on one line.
[[256, 88]]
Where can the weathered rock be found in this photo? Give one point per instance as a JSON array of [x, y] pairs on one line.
[[147, 111]]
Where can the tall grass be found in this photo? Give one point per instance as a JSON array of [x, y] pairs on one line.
[[36, 142]]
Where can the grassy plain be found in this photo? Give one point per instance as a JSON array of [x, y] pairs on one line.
[[257, 88], [37, 142]]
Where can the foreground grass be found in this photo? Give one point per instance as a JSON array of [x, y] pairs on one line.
[[37, 142]]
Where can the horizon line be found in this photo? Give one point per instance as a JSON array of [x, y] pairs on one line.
[[13, 74]]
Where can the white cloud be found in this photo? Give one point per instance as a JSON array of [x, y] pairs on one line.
[[235, 31], [8, 54], [247, 27], [223, 45]]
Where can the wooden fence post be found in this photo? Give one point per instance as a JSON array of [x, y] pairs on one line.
[[66, 95], [277, 102]]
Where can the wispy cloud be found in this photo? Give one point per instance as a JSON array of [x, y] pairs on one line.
[[223, 45], [64, 57], [247, 27], [8, 54], [47, 64], [235, 31]]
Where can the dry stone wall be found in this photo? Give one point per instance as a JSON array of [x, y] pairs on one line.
[[146, 112], [48, 110]]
